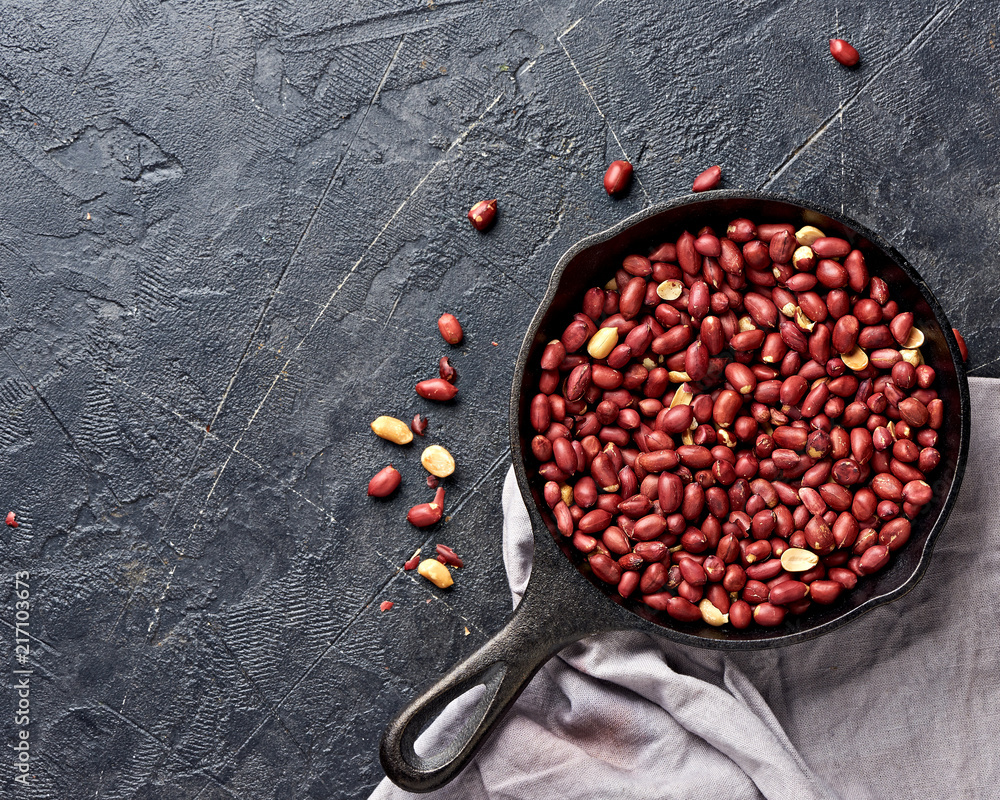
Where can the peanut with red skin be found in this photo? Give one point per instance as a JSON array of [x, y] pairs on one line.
[[419, 424], [448, 556], [384, 482], [843, 52], [617, 177], [708, 179], [424, 515], [481, 215], [436, 389], [450, 328]]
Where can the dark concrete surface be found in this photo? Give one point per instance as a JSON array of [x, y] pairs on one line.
[[228, 231]]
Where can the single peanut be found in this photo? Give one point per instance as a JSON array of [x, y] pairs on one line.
[[451, 328], [392, 429], [482, 214], [419, 424], [914, 340], [436, 389], [424, 515], [436, 572], [855, 360], [670, 290], [795, 559], [448, 556], [447, 370], [808, 234], [384, 482], [603, 342], [711, 614], [437, 461], [844, 52], [803, 259], [708, 179], [617, 177]]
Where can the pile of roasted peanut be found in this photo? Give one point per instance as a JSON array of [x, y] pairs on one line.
[[738, 425]]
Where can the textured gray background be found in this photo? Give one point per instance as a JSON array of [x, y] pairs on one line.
[[247, 216]]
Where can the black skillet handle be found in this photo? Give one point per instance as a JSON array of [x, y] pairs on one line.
[[504, 665]]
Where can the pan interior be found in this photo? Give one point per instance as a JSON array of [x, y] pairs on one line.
[[594, 261]]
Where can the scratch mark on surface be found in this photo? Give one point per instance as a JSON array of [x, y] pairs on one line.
[[69, 436], [262, 698], [593, 99], [922, 36], [489, 471], [383, 26], [134, 725], [515, 282], [24, 632], [273, 712], [156, 611], [216, 438], [153, 738], [581, 19], [105, 36], [393, 309], [305, 233], [323, 309], [332, 645], [974, 370]]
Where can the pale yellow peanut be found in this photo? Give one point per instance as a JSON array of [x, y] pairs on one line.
[[914, 340], [796, 559], [808, 234], [711, 614], [392, 429], [603, 342], [857, 359], [437, 461], [670, 290], [436, 572]]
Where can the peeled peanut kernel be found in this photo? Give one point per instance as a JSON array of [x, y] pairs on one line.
[[802, 320], [914, 357], [856, 360], [914, 340], [711, 614], [746, 324], [678, 377], [566, 492], [437, 461], [686, 437], [392, 429], [803, 256], [602, 342], [436, 572], [683, 396], [808, 234], [670, 290], [612, 285], [648, 363], [795, 559]]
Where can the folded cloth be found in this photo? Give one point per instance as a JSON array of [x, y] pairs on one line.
[[902, 703]]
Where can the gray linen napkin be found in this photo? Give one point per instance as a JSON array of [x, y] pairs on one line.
[[902, 703]]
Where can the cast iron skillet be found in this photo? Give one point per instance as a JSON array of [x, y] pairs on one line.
[[563, 601]]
